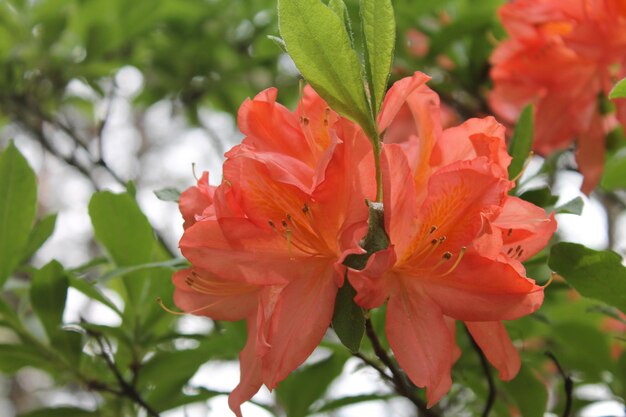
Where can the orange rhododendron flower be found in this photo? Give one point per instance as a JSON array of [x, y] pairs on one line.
[[267, 245], [561, 56], [457, 239]]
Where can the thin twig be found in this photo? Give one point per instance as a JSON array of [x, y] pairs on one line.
[[374, 365], [568, 382], [126, 389], [403, 386], [491, 397]]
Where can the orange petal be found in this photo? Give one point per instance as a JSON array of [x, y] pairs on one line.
[[250, 372], [494, 341], [421, 342]]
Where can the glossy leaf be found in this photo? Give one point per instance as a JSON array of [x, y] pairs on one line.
[[320, 46], [348, 319], [595, 274], [91, 291], [18, 197], [522, 141], [48, 293], [379, 30], [300, 390]]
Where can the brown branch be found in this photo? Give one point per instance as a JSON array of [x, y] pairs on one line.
[[568, 385], [125, 389], [403, 386]]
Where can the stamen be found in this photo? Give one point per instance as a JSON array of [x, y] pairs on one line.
[[446, 257], [510, 232], [526, 163], [193, 171], [456, 263], [169, 310], [553, 275], [519, 255], [304, 120], [432, 229], [509, 251]]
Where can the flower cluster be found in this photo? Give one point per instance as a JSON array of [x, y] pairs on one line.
[[268, 244], [562, 55]]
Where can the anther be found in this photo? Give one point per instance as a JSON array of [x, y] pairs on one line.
[[432, 230], [510, 232], [271, 223], [284, 223], [447, 256], [305, 209], [442, 239], [456, 263], [509, 251], [304, 120]]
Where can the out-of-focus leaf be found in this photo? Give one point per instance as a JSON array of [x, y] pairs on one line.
[[48, 293], [619, 90], [348, 319], [320, 46], [18, 197], [41, 232], [355, 399], [595, 274], [8, 316], [15, 357], [522, 141], [541, 197], [614, 175], [574, 206], [171, 264], [304, 386], [584, 348], [127, 235], [168, 194], [61, 412], [379, 30], [91, 291], [530, 395]]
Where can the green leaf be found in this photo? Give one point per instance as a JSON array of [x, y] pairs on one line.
[[18, 197], [379, 30], [278, 41], [304, 386], [595, 274], [91, 291], [168, 194], [127, 235], [529, 393], [619, 90], [348, 319], [320, 46], [582, 347], [614, 175], [15, 357], [574, 206], [340, 9], [522, 141], [61, 412], [41, 232], [48, 293], [541, 197], [9, 318]]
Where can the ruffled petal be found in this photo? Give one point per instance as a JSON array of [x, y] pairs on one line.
[[483, 289], [494, 341]]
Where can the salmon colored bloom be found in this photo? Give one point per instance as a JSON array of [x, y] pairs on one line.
[[457, 240], [561, 56], [267, 244]]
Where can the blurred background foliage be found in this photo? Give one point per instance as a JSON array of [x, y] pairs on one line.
[[76, 76]]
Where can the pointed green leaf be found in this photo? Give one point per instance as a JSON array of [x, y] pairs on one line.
[[348, 319], [91, 291], [48, 293], [168, 194], [619, 90], [15, 357], [41, 232], [614, 175], [340, 9], [18, 202], [595, 274], [522, 141], [320, 46], [574, 206], [379, 30]]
